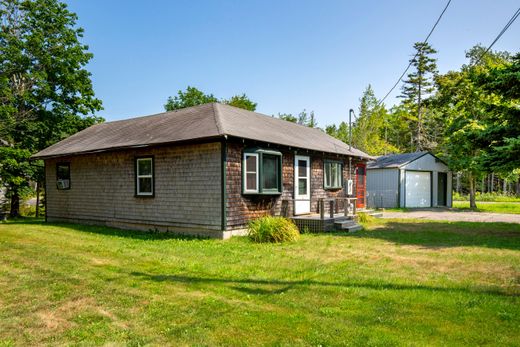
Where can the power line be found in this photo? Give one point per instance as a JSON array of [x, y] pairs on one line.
[[504, 29], [415, 56]]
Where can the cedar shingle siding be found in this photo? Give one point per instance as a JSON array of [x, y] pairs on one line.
[[241, 208], [187, 190]]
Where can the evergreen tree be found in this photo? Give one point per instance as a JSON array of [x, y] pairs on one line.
[[418, 86], [368, 133]]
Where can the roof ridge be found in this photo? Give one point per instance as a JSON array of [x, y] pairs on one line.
[[217, 116], [268, 116]]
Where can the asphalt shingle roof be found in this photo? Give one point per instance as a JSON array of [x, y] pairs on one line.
[[199, 122], [394, 160]]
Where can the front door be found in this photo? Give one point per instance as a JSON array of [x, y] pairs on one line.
[[360, 185], [442, 185], [302, 187]]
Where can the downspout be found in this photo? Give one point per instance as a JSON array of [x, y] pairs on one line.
[[223, 178]]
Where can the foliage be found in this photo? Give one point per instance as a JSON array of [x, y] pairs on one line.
[[288, 117], [502, 153], [365, 218], [403, 282], [193, 97], [341, 131], [489, 197], [272, 229], [416, 88], [241, 101], [510, 207], [371, 126], [464, 104], [44, 86], [304, 118]]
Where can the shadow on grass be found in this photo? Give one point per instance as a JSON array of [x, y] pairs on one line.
[[288, 284], [438, 234], [103, 230]]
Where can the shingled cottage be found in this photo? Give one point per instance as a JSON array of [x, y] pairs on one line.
[[203, 170]]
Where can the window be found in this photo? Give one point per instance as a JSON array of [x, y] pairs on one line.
[[251, 172], [144, 185], [333, 175], [63, 176], [262, 172]]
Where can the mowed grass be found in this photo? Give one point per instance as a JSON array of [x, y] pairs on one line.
[[488, 206], [397, 283]]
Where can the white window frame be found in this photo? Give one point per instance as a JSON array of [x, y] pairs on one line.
[[257, 173], [138, 176], [339, 172]]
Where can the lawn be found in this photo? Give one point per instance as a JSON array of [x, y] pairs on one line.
[[399, 282], [488, 206]]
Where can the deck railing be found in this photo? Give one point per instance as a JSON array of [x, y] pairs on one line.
[[349, 206]]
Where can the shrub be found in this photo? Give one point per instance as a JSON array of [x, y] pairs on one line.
[[364, 217], [272, 229]]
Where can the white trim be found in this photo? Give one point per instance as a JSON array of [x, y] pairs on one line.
[[138, 176], [339, 174], [245, 172], [302, 202]]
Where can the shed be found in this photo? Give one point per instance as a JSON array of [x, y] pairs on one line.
[[418, 179]]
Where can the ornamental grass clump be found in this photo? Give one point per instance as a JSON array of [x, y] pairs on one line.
[[272, 229]]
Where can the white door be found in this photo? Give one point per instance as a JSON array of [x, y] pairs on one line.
[[302, 186], [418, 189]]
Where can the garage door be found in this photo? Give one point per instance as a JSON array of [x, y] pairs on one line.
[[418, 189]]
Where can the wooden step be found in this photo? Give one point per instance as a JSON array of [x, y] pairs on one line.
[[347, 225]]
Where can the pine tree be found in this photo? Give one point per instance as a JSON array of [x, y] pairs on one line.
[[418, 86]]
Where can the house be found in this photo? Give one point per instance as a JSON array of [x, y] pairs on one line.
[[204, 170], [417, 179]]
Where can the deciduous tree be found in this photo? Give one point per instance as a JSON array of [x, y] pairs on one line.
[[44, 86]]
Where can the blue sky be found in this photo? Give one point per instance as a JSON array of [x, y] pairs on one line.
[[285, 55]]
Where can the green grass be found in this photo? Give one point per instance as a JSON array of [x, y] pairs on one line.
[[397, 283], [498, 207], [492, 197]]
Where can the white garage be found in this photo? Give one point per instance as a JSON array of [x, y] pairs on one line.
[[411, 180]]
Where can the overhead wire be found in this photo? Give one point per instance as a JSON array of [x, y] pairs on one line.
[[415, 56], [504, 29]]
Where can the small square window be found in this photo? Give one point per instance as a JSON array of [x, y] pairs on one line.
[[144, 185], [63, 176]]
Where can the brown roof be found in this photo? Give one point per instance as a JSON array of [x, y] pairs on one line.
[[199, 122]]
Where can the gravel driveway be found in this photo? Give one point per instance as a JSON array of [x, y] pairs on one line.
[[452, 215]]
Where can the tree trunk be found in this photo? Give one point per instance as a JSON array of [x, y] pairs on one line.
[[471, 179], [15, 204], [492, 182], [458, 182], [483, 185], [37, 199], [504, 190]]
